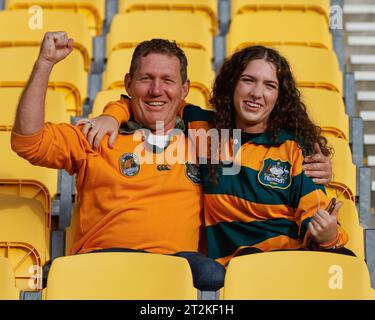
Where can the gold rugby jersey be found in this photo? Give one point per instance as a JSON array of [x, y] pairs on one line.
[[156, 207]]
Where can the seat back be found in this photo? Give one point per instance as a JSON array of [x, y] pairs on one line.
[[120, 276], [326, 108], [343, 183], [189, 30], [297, 275], [293, 28], [67, 77], [8, 291], [317, 6], [55, 109], [17, 30], [93, 11]]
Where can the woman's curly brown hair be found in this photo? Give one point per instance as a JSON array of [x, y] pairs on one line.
[[289, 112]]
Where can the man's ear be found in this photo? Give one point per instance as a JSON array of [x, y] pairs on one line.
[[127, 83], [185, 89]]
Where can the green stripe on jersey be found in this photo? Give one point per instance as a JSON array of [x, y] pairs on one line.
[[224, 238]]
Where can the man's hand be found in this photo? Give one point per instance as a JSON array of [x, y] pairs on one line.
[[95, 129], [323, 226], [318, 167], [55, 46]]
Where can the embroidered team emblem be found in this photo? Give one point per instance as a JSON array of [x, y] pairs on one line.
[[275, 174], [192, 172], [129, 164]]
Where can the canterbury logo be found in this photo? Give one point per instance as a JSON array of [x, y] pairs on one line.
[[163, 167]]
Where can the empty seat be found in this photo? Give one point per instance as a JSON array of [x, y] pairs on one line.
[[278, 28], [17, 29], [8, 291], [92, 10], [67, 77], [199, 70], [120, 276], [348, 218], [55, 110], [318, 6], [189, 30], [297, 275], [314, 67], [25, 224], [326, 108], [344, 171], [14, 167], [206, 7]]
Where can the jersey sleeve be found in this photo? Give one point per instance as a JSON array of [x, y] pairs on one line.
[[307, 197], [58, 146]]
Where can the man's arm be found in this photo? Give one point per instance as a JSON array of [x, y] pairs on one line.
[[30, 113]]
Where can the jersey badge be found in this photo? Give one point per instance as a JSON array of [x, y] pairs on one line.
[[129, 164], [275, 174]]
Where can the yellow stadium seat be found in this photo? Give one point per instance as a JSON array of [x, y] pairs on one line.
[[206, 7], [196, 97], [297, 275], [67, 76], [314, 67], [189, 30], [103, 97], [327, 109], [25, 230], [71, 230], [278, 28], [14, 167], [200, 71], [348, 218], [319, 6], [343, 183], [17, 29], [92, 10], [117, 276], [8, 291], [55, 110]]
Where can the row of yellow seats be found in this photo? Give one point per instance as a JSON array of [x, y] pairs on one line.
[[26, 192], [92, 11], [275, 275], [25, 226], [25, 230]]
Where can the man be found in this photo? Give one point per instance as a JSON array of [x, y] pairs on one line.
[[124, 205]]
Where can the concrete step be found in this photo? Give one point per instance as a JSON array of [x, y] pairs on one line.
[[364, 75], [359, 8], [360, 27], [371, 161], [367, 115], [369, 139], [361, 41], [362, 59], [366, 95]]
